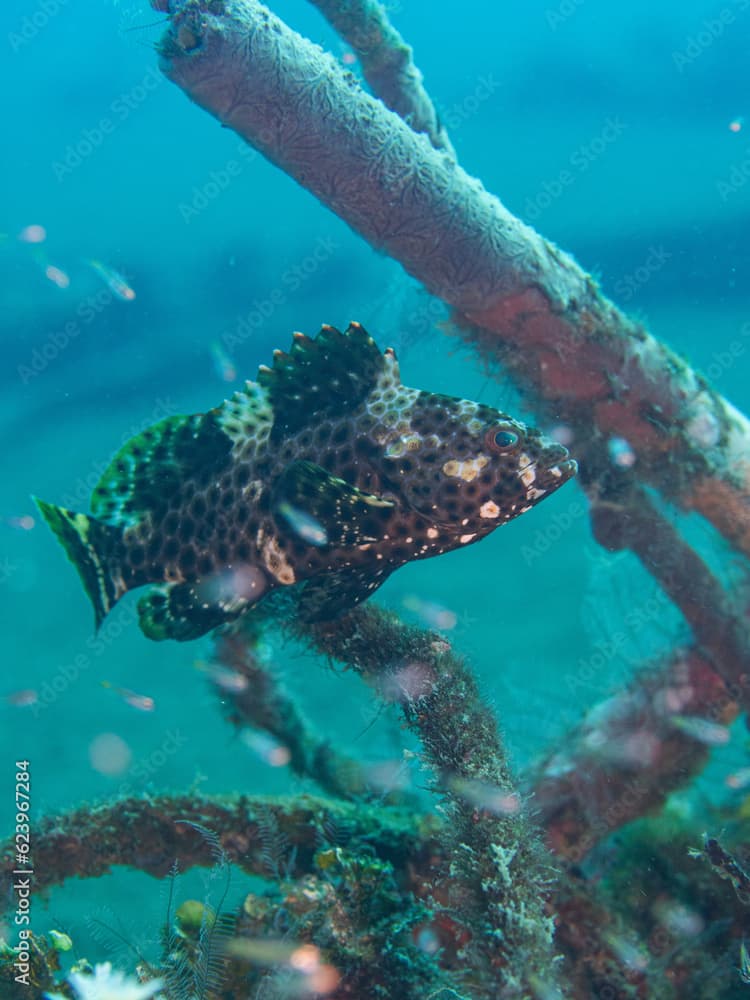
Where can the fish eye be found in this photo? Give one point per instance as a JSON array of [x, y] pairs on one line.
[[502, 438]]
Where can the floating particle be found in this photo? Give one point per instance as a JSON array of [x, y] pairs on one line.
[[57, 276], [679, 919], [305, 958], [621, 453], [409, 683], [430, 613], [109, 754], [702, 730], [736, 124], [388, 776], [23, 523], [562, 433], [114, 281], [348, 59], [628, 952], [143, 702], [739, 779], [224, 367], [228, 589], [231, 681], [22, 698], [322, 980], [426, 939], [33, 234], [266, 747], [303, 524], [486, 796]]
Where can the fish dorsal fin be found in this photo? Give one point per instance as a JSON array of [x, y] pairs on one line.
[[152, 466], [331, 373], [340, 512]]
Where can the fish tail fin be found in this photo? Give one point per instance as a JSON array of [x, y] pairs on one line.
[[89, 545]]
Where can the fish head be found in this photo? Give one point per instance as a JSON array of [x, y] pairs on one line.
[[468, 468]]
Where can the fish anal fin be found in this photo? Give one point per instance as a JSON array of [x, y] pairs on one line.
[[334, 594]]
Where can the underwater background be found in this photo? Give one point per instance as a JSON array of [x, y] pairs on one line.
[[617, 131]]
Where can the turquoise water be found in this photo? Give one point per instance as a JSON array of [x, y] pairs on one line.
[[617, 132]]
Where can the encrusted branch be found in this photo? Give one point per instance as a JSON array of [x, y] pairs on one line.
[[252, 697], [585, 361], [630, 753], [718, 619], [498, 876], [387, 64], [151, 833]]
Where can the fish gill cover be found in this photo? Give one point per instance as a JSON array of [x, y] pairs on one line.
[[387, 849]]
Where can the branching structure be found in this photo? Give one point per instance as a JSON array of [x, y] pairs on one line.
[[467, 905]]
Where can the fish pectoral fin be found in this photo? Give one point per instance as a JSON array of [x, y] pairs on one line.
[[341, 513], [185, 611], [334, 594]]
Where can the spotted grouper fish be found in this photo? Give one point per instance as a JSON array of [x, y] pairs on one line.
[[326, 473]]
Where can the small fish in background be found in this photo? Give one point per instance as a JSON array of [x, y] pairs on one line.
[[23, 522], [736, 124], [266, 747], [702, 730], [23, 698], [32, 234], [430, 613], [738, 779], [303, 525], [621, 453], [56, 275], [114, 281], [141, 702], [224, 366]]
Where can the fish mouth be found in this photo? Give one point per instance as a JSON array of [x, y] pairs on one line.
[[548, 472], [568, 468]]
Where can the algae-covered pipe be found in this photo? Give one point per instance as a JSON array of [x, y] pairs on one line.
[[586, 362]]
